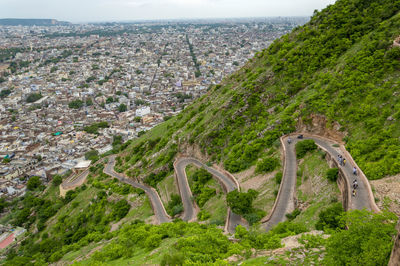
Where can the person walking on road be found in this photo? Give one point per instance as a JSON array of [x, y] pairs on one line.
[[344, 161], [354, 171], [289, 140], [355, 184], [340, 159]]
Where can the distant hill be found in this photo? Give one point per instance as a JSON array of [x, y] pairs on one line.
[[32, 22]]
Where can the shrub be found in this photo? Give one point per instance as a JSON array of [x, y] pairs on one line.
[[267, 165], [153, 179], [75, 104], [92, 155], [203, 215], [278, 177], [330, 217], [175, 258], [57, 180], [33, 97], [366, 241], [332, 174], [302, 147], [33, 183], [174, 205], [121, 209], [291, 216]]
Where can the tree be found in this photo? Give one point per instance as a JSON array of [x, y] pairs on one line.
[[110, 100], [92, 155], [122, 108], [278, 177], [332, 174], [120, 210], [267, 165], [89, 102], [302, 147], [33, 183], [57, 180], [241, 202], [3, 204], [33, 97], [4, 93], [330, 217], [75, 104]]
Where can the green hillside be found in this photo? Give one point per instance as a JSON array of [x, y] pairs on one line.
[[340, 65], [340, 69]]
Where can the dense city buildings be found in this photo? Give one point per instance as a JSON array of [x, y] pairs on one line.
[[67, 90]]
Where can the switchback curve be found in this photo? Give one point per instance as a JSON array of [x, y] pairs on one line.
[[285, 198], [190, 208]]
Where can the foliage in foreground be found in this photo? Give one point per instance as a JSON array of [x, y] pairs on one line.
[[367, 241], [242, 203]]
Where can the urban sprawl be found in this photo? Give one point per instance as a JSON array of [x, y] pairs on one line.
[[67, 91]]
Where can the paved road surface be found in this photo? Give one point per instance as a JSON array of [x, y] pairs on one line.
[[361, 200], [186, 193], [284, 202], [155, 200], [285, 199]]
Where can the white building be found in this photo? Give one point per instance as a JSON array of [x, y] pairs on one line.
[[142, 111]]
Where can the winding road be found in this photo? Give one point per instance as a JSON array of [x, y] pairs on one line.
[[190, 210], [155, 200], [285, 199], [286, 196]]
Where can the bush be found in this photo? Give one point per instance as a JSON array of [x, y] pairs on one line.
[[332, 174], [278, 177], [33, 183], [122, 108], [153, 179], [330, 217], [120, 210], [175, 258], [291, 216], [174, 205], [57, 180], [203, 215], [75, 104], [92, 155], [33, 97], [302, 147], [266, 165], [366, 241], [241, 202], [152, 242], [254, 215]]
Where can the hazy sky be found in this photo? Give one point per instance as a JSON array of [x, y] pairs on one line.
[[117, 10]]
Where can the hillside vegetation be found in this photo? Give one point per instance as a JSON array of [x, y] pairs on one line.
[[340, 65]]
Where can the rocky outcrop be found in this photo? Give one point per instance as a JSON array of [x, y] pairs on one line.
[[318, 125]]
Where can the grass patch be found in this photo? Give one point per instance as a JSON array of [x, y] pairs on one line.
[[166, 188], [218, 208]]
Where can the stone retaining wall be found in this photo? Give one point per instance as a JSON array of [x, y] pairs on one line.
[[395, 257]]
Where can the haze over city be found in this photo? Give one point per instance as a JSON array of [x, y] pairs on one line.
[[128, 10]]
